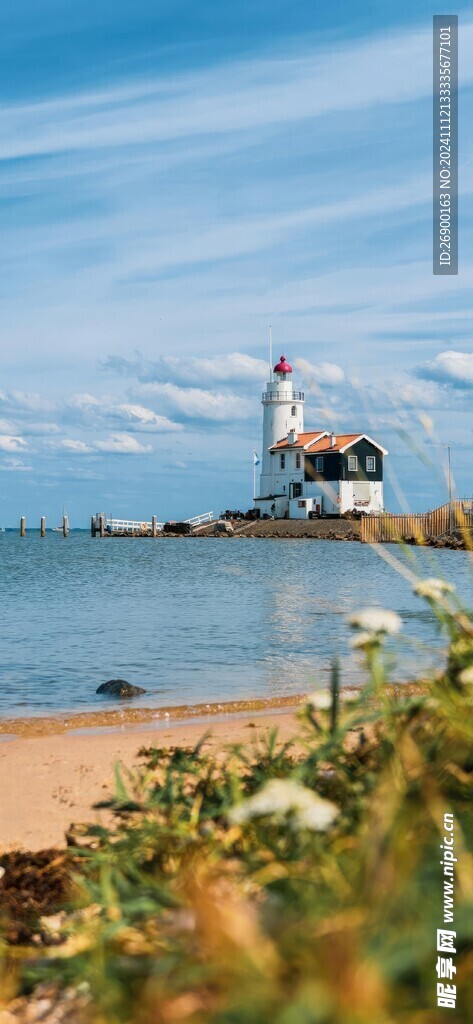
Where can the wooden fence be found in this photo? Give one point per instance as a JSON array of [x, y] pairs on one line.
[[420, 525]]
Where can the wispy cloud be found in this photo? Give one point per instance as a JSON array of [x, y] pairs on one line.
[[115, 444], [263, 93], [10, 443], [23, 401], [454, 369], [14, 466], [7, 427], [234, 367], [146, 419], [197, 403], [92, 412], [80, 447], [41, 429], [123, 444], [320, 373]]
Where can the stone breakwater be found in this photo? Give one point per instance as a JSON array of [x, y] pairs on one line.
[[282, 529], [316, 529], [306, 529], [324, 529], [459, 540]]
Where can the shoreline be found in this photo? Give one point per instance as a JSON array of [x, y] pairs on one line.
[[119, 717], [50, 779], [50, 782], [132, 718]]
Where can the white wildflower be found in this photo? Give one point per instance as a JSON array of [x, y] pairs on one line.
[[433, 589], [280, 797], [466, 676], [376, 620], [319, 700], [362, 640]]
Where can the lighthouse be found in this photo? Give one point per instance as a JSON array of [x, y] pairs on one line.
[[283, 414], [317, 472]]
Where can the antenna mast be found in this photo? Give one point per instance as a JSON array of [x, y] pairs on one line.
[[270, 353]]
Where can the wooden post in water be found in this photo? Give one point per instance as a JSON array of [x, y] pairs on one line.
[[102, 526], [65, 526], [23, 526], [154, 528], [42, 529], [93, 530]]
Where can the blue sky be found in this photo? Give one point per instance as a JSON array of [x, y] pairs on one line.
[[174, 177]]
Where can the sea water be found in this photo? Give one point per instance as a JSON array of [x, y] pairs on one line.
[[199, 620]]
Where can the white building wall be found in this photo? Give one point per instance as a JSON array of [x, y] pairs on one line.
[[279, 480], [278, 403], [330, 491], [349, 502], [277, 507], [300, 508], [378, 496]]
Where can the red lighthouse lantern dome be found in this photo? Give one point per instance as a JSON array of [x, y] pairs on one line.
[[283, 366]]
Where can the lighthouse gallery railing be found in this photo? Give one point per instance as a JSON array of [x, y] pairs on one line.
[[295, 396]]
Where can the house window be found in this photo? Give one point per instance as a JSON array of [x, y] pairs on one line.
[[296, 490], [352, 463], [319, 464], [283, 461], [293, 411], [298, 460], [370, 464]]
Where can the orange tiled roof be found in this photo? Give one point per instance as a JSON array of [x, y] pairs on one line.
[[301, 442], [341, 441], [313, 442]]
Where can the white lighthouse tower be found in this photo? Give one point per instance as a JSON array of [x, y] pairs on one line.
[[283, 414]]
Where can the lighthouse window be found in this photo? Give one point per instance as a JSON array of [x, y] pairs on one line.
[[283, 461], [293, 411]]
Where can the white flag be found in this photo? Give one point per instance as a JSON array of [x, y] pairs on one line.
[[256, 457]]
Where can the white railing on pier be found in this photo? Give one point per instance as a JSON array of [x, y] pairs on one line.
[[130, 526], [206, 517], [135, 527]]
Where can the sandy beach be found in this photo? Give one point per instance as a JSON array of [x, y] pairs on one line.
[[51, 775]]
